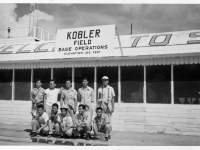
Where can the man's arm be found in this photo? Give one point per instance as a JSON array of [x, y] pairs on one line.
[[98, 97], [61, 99], [31, 97], [113, 100], [60, 91], [45, 99], [79, 96], [92, 95], [75, 101], [45, 125]]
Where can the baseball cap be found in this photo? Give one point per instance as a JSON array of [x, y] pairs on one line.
[[63, 107], [105, 78]]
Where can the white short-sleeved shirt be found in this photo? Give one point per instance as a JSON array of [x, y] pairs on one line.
[[42, 119], [67, 121], [52, 96]]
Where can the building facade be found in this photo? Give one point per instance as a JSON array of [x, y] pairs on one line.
[[156, 80]]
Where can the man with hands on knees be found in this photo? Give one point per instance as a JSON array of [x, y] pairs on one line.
[[40, 122], [101, 124]]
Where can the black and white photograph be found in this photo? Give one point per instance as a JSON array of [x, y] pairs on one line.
[[99, 74]]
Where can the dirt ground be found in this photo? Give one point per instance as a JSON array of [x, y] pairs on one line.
[[19, 135]]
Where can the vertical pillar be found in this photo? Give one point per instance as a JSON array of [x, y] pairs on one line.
[[51, 73], [172, 84], [32, 78], [73, 77], [119, 85], [95, 85], [145, 86], [13, 85]]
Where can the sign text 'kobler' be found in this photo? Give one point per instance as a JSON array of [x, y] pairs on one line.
[[88, 41]]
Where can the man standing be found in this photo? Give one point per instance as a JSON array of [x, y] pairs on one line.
[[83, 124], [69, 99], [86, 95], [40, 122], [37, 96], [106, 97], [101, 124], [51, 96]]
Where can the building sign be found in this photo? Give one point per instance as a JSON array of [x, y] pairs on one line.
[[94, 42], [97, 41]]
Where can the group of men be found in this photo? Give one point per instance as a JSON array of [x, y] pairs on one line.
[[47, 120]]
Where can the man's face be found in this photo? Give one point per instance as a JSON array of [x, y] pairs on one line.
[[54, 109], [81, 110], [98, 112], [68, 84], [85, 82], [40, 111], [105, 82], [38, 84], [64, 112], [52, 85]]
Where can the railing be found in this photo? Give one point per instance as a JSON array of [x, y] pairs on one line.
[[22, 32]]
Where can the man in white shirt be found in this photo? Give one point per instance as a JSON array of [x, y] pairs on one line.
[[40, 122], [51, 96]]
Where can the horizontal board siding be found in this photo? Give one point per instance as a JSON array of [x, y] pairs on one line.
[[148, 118]]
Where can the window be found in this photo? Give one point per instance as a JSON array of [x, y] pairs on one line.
[[6, 84], [187, 84], [80, 73], [44, 75], [132, 82], [61, 75], [158, 80], [22, 84], [112, 73]]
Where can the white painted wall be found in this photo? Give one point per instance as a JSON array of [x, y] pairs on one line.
[[149, 118]]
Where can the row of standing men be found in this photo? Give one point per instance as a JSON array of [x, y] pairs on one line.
[[46, 100]]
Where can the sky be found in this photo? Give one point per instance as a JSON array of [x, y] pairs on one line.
[[145, 18]]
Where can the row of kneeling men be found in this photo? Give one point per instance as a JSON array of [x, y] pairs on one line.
[[66, 125]]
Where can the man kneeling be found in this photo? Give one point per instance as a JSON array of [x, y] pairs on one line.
[[40, 122], [101, 124], [83, 124], [53, 121], [66, 122]]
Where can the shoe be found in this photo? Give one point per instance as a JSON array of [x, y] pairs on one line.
[[106, 138], [87, 137], [96, 137], [49, 136], [109, 136], [60, 136], [33, 134]]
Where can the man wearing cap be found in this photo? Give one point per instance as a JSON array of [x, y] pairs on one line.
[[86, 95], [69, 99], [106, 97], [37, 96], [65, 122]]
